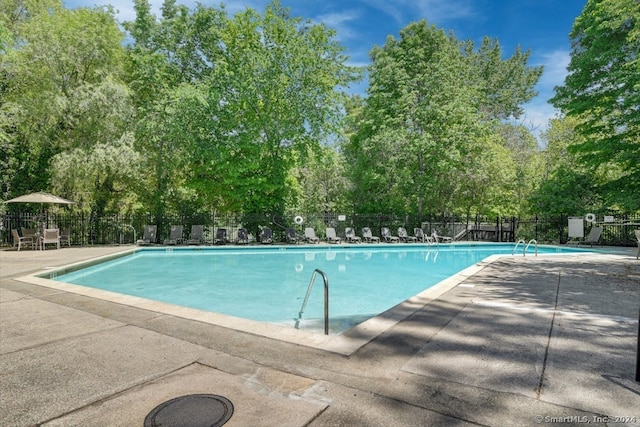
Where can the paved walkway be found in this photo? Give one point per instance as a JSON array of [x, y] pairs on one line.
[[525, 341]]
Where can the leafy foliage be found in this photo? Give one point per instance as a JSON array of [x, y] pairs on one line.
[[204, 112], [602, 90], [428, 140]]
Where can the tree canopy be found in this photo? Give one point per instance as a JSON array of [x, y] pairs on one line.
[[198, 111], [429, 134], [602, 91]]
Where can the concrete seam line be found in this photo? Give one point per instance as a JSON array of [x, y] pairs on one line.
[[546, 350]]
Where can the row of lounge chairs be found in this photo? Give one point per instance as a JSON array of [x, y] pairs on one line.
[[196, 237]]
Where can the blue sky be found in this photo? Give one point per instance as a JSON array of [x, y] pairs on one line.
[[541, 26]]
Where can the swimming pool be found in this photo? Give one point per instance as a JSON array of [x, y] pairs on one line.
[[268, 284]]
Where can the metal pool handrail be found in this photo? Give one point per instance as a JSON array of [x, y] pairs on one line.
[[326, 299], [525, 246]]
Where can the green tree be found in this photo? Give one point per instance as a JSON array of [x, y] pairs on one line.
[[431, 122], [602, 92], [323, 185], [246, 99], [567, 187], [504, 84], [65, 91]]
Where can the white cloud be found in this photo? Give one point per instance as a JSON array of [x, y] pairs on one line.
[[555, 68], [538, 112], [435, 11], [340, 21]]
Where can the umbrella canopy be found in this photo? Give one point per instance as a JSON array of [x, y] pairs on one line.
[[40, 197]]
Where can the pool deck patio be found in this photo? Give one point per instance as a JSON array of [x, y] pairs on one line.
[[523, 341]]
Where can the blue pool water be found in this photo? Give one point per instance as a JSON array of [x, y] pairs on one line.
[[269, 283]]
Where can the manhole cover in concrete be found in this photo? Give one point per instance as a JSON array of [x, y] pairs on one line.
[[195, 410]]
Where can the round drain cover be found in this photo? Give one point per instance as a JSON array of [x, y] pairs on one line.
[[195, 410]]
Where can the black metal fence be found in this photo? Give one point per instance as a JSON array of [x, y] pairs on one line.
[[116, 229]]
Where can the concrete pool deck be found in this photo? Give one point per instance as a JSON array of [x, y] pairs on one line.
[[523, 341]]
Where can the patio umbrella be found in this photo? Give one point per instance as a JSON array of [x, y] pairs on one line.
[[40, 197]]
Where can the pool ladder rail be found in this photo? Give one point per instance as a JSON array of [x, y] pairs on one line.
[[525, 246], [326, 299]]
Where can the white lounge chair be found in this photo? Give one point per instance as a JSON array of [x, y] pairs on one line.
[[420, 236], [310, 235], [149, 235], [441, 239], [367, 236], [330, 232], [387, 236], [404, 236], [175, 235], [592, 238], [197, 235], [350, 235]]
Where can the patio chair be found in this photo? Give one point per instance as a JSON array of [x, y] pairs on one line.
[[592, 238], [310, 235], [197, 235], [330, 232], [50, 235], [420, 236], [387, 236], [367, 236], [440, 239], [350, 235], [404, 236], [65, 237], [638, 237], [243, 237], [221, 237], [291, 236], [149, 235], [21, 241], [175, 235], [29, 232], [266, 236]]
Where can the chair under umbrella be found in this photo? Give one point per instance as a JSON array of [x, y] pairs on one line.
[[42, 198]]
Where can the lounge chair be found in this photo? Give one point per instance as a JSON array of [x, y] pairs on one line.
[[175, 235], [291, 236], [387, 236], [197, 235], [21, 241], [221, 237], [65, 237], [441, 239], [592, 237], [310, 235], [330, 232], [420, 236], [243, 237], [50, 235], [638, 237], [367, 236], [350, 235], [266, 236], [149, 235], [404, 236]]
